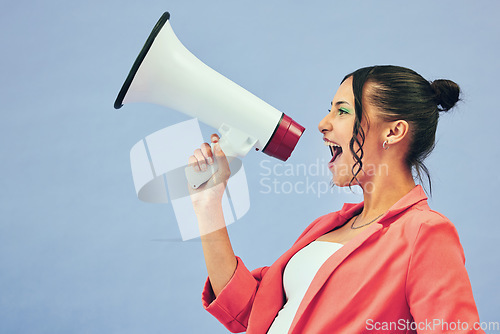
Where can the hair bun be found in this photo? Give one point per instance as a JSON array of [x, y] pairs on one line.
[[447, 93]]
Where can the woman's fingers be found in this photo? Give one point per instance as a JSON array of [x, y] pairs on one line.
[[192, 161], [204, 155], [202, 163], [207, 153]]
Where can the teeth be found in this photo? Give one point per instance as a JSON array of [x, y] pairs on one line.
[[331, 144]]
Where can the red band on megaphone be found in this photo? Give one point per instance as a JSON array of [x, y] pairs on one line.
[[285, 137]]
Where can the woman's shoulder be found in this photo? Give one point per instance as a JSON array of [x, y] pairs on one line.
[[423, 220], [423, 214]]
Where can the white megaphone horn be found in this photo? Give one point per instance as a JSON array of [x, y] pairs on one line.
[[167, 74]]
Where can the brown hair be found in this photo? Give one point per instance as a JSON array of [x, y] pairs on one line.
[[402, 94]]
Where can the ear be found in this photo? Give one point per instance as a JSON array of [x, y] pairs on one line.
[[395, 131]]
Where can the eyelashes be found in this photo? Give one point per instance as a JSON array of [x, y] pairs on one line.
[[341, 111]]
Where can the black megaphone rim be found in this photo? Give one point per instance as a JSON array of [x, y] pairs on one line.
[[140, 58]]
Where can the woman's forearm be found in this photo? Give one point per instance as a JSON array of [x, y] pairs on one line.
[[219, 256]]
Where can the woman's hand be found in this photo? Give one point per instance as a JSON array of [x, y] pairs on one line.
[[210, 193]]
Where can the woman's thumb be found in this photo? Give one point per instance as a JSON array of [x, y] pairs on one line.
[[222, 161], [218, 151]]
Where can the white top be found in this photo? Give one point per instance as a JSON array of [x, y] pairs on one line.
[[298, 275]]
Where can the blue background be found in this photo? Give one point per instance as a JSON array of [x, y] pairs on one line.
[[79, 253]]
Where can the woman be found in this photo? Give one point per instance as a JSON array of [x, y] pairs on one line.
[[389, 264]]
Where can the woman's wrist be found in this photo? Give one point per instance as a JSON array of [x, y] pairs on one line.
[[207, 207], [210, 217]]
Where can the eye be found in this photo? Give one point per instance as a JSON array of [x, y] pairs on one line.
[[343, 111], [329, 110]]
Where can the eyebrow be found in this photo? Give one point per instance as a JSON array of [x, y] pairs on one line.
[[339, 103]]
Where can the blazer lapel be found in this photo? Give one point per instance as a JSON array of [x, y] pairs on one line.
[[270, 297], [327, 269]]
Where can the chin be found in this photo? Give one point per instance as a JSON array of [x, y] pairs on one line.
[[342, 175], [342, 182]]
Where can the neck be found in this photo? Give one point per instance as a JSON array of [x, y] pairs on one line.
[[384, 191]]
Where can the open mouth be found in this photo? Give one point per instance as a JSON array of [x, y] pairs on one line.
[[335, 149]]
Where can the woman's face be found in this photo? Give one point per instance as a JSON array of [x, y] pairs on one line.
[[337, 127]]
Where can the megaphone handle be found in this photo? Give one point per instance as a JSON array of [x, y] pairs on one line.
[[198, 178], [233, 143]]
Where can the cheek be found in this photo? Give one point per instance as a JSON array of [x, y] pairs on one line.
[[372, 148], [349, 158]]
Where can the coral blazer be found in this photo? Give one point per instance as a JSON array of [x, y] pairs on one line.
[[403, 274]]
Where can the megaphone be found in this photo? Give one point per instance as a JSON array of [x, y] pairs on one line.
[[167, 74]]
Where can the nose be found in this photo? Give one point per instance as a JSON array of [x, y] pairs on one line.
[[325, 124]]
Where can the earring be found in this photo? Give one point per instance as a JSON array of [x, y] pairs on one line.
[[384, 145]]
